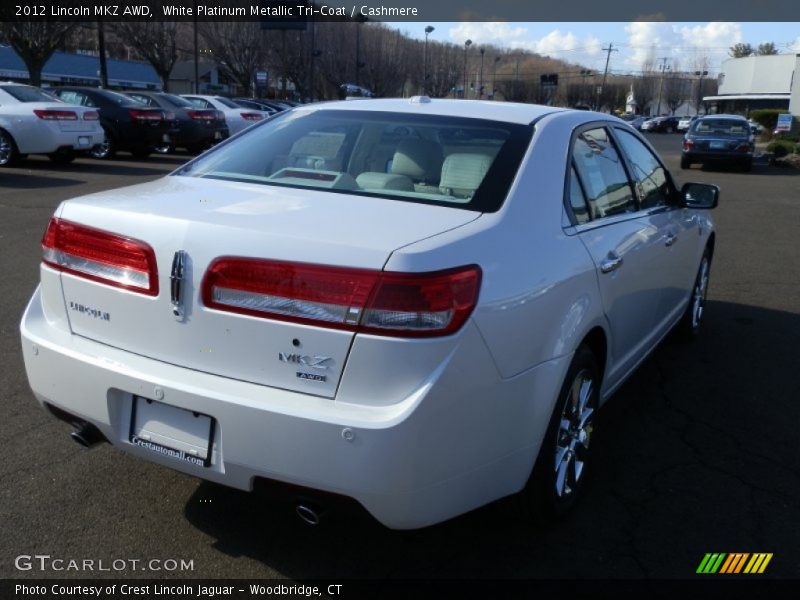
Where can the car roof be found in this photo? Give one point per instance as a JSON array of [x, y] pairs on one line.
[[510, 112], [723, 116]]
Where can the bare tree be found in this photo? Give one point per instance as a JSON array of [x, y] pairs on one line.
[[155, 41], [239, 48], [645, 86], [35, 42]]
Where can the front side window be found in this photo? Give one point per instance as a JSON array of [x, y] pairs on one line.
[[451, 161], [650, 176], [601, 171]]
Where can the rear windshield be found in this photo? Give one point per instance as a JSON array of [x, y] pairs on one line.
[[449, 161], [27, 93], [226, 102], [177, 101], [722, 126]]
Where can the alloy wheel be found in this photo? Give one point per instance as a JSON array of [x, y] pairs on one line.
[[574, 434], [699, 294], [6, 148]]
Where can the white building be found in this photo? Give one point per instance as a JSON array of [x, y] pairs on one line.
[[754, 82]]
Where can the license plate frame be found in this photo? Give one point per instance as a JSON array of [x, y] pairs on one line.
[[162, 418], [717, 145]]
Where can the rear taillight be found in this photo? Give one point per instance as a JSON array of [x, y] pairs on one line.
[[203, 115], [688, 144], [101, 256], [91, 115], [146, 115], [366, 301], [56, 115], [252, 116], [745, 147]]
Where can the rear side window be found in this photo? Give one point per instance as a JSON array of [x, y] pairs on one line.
[[27, 93], [577, 199], [601, 171]]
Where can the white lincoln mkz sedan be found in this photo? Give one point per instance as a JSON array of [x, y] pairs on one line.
[[418, 304]]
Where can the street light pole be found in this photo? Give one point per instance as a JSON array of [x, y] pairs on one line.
[[663, 67], [494, 78], [467, 44], [700, 75], [480, 79], [428, 30]]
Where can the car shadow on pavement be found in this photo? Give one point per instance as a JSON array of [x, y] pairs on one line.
[[95, 167], [759, 168], [28, 180], [695, 453]]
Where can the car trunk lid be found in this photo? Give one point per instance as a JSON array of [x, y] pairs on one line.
[[207, 219]]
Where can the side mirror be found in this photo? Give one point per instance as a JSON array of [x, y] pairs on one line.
[[699, 196]]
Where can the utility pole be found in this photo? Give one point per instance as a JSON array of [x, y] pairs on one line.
[[101, 50], [428, 30], [663, 67], [608, 51], [196, 53]]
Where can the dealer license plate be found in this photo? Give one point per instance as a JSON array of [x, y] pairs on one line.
[[171, 431]]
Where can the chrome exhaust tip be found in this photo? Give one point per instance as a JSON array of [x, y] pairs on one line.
[[309, 514], [87, 435]]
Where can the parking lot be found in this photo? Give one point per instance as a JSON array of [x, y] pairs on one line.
[[697, 453]]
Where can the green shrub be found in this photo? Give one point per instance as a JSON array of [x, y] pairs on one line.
[[781, 148], [767, 117]]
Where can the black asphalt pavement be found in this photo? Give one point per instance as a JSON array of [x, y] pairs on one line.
[[697, 453]]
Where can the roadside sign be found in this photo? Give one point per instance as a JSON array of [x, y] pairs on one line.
[[784, 122], [262, 77]]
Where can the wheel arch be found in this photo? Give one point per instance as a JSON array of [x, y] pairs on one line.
[[597, 341]]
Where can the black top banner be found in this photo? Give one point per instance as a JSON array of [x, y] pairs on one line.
[[292, 12]]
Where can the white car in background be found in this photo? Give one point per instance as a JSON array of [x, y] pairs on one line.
[[34, 122], [685, 122], [236, 117], [418, 304]]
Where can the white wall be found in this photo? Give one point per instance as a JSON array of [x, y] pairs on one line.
[[794, 102], [757, 75]]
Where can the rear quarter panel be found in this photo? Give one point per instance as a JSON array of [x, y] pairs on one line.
[[539, 293]]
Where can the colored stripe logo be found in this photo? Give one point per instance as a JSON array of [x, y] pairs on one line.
[[733, 563]]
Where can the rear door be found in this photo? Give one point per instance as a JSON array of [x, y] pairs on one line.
[[624, 247]]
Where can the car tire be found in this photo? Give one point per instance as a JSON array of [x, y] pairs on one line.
[[689, 326], [62, 158], [163, 149], [8, 149], [558, 477], [105, 150], [685, 163]]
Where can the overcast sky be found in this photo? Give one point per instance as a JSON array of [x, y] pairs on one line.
[[686, 44]]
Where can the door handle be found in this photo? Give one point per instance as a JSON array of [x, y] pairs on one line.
[[671, 239], [612, 263]]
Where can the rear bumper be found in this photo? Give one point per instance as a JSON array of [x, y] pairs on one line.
[[461, 440], [700, 156], [47, 138]]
